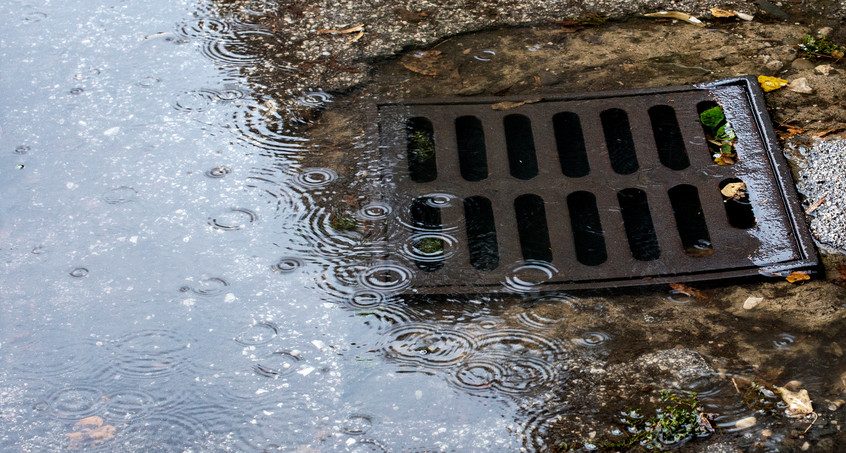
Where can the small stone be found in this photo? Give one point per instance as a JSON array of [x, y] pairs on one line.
[[775, 65], [746, 422], [824, 69], [766, 433], [805, 446], [801, 64], [752, 302], [800, 85]]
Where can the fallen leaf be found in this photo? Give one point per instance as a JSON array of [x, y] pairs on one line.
[[102, 432], [752, 302], [735, 190], [508, 105], [688, 291], [797, 276], [717, 12], [426, 62], [771, 83], [791, 130], [827, 132], [676, 15], [93, 420], [800, 85], [798, 403]]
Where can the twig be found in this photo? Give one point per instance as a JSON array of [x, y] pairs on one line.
[[813, 207], [816, 417]]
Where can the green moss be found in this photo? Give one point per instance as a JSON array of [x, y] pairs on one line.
[[430, 246], [678, 421], [342, 222], [421, 146], [820, 46]]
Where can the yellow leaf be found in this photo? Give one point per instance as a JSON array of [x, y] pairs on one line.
[[734, 190], [717, 12], [102, 432], [797, 276], [771, 83]]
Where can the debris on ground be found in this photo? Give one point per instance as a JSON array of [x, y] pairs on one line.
[[676, 15], [800, 85], [797, 276], [771, 83], [752, 302], [720, 135]]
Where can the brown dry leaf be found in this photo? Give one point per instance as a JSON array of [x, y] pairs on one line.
[[427, 62], [411, 16], [841, 268], [102, 432], [688, 291], [798, 403], [90, 421], [734, 190], [717, 12], [790, 130], [508, 105], [828, 132], [797, 276]]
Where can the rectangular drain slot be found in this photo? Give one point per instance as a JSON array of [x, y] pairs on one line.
[[586, 191]]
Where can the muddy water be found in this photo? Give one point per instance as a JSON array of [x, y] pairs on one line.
[[172, 280]]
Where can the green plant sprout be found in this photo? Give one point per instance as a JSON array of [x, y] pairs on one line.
[[421, 146], [820, 46], [342, 222], [679, 421], [430, 246], [720, 135]]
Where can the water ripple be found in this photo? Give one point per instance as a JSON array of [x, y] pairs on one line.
[[120, 195], [278, 364], [152, 353], [217, 172], [172, 431], [315, 178], [427, 345], [529, 275], [233, 219], [257, 334], [74, 403], [387, 277]]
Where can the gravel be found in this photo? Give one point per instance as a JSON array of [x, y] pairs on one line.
[[824, 174]]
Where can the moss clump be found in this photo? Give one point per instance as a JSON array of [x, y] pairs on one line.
[[342, 221], [680, 420], [430, 246], [421, 146], [720, 135], [820, 46]]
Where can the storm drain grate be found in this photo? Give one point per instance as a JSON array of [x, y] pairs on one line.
[[585, 191]]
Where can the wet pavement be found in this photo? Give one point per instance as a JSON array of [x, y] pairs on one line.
[[172, 280]]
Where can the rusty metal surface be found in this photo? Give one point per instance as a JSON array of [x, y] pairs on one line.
[[778, 242]]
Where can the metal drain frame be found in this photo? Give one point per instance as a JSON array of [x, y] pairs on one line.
[[778, 243]]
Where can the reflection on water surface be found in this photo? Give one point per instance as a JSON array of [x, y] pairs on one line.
[[170, 267]]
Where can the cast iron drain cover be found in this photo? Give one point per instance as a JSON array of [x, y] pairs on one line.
[[583, 191]]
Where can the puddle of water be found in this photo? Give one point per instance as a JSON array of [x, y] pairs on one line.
[[171, 267]]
